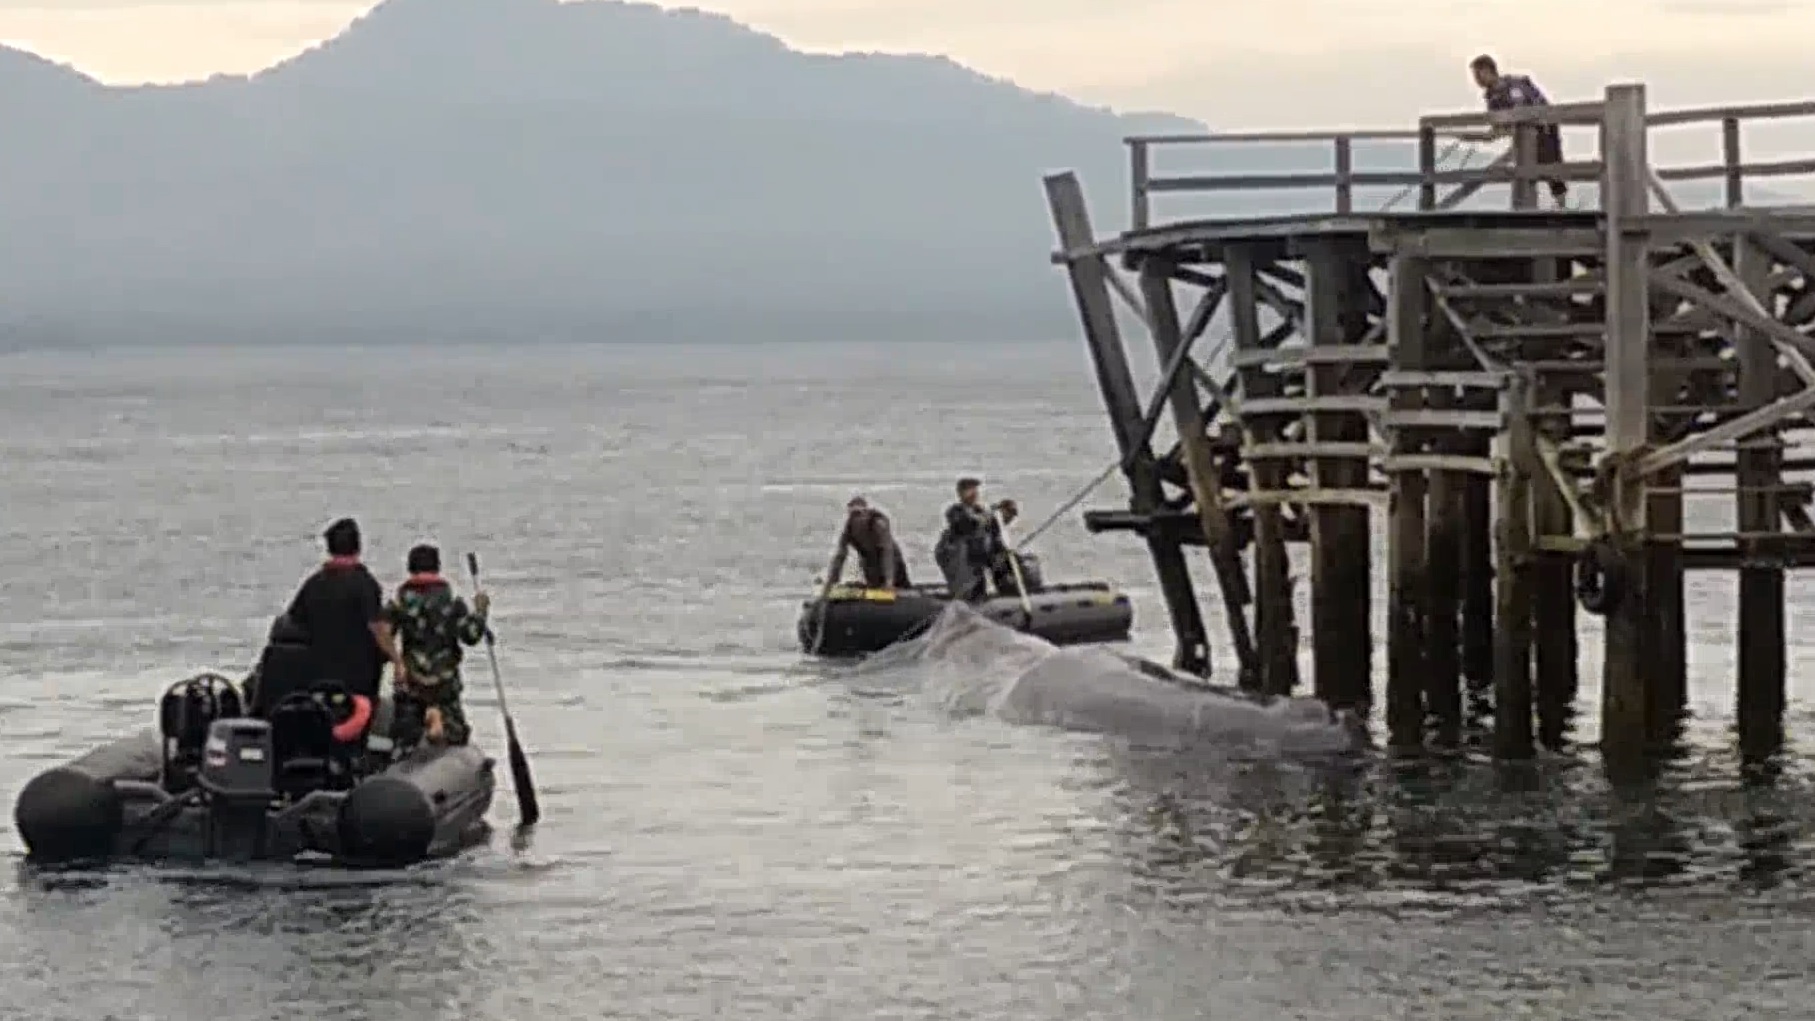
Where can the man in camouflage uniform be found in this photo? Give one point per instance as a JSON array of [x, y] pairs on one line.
[[431, 624]]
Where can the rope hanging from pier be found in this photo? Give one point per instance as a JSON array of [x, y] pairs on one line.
[[1467, 155]]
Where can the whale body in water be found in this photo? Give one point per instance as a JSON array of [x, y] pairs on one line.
[[969, 665]]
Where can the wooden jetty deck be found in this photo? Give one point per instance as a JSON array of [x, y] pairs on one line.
[[1520, 393]]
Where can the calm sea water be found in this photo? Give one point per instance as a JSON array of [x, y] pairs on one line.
[[731, 832]]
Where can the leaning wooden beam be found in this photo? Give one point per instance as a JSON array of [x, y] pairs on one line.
[[1200, 468], [1797, 359], [1793, 345], [1089, 277]]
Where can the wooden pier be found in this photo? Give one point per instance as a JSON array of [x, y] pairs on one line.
[[1526, 395]]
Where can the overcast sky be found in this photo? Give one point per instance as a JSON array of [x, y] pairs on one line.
[[1231, 63]]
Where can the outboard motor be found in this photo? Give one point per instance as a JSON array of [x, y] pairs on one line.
[[236, 780], [186, 714]]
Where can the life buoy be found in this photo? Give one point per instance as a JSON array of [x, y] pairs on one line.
[[1600, 578], [348, 730]]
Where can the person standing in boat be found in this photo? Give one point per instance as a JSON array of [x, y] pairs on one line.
[[1001, 571], [341, 609], [867, 531], [964, 549], [431, 624]]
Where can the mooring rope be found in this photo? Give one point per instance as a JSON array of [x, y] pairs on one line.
[[1442, 157]]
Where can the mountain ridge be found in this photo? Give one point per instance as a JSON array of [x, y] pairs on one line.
[[521, 169]]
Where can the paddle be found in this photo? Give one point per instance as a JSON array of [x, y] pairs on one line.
[[825, 598], [528, 810], [1014, 564]]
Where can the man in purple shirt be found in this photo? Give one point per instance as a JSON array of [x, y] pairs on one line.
[[1511, 91]]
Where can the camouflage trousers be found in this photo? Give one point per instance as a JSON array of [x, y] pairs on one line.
[[409, 712]]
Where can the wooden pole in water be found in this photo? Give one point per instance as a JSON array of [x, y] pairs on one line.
[[1761, 694], [1625, 710], [1408, 336]]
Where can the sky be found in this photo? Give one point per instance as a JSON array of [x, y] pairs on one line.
[[1231, 63]]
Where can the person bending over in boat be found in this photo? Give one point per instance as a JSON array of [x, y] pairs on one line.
[[964, 549], [341, 609], [867, 531], [431, 623]]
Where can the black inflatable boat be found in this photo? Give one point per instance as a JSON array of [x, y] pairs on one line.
[[294, 767], [855, 621]]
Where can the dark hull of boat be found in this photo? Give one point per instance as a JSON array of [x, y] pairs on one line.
[[109, 805], [857, 621]]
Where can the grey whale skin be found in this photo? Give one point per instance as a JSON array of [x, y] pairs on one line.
[[116, 802], [971, 665]]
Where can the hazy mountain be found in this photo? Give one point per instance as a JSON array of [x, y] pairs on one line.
[[527, 168]]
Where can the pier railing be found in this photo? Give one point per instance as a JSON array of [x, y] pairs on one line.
[[1518, 165]]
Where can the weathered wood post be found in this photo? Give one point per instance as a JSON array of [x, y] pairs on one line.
[[1625, 724], [1408, 337], [1760, 697]]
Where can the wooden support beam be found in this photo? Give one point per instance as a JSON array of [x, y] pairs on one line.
[[1407, 589], [1341, 560], [1624, 710], [1275, 631], [1089, 276], [1761, 694], [1200, 467], [1512, 577]]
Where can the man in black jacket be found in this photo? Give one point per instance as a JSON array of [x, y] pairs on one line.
[[964, 549], [341, 608]]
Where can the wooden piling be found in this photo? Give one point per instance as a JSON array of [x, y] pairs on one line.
[[1625, 711], [1513, 569], [1275, 631], [1408, 596], [1760, 697], [1507, 487], [1341, 550]]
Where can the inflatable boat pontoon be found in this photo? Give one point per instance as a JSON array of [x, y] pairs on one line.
[[271, 775], [855, 621]]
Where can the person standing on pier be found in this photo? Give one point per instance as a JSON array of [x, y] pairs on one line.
[[1516, 91]]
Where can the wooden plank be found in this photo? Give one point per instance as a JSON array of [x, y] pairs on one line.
[[1300, 355], [1313, 497], [1440, 462], [1310, 449], [1443, 418], [1462, 380], [1314, 404]]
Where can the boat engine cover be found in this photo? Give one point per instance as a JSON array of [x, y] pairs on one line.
[[236, 761]]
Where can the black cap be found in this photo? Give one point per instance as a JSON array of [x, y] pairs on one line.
[[968, 483]]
